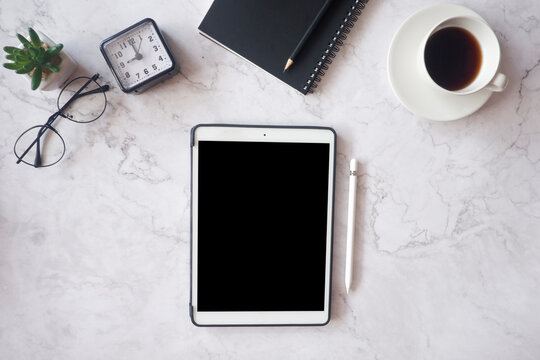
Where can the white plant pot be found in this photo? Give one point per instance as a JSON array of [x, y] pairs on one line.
[[55, 80]]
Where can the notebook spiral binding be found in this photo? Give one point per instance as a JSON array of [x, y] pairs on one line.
[[334, 45]]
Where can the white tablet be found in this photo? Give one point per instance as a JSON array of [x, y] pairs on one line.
[[262, 223]]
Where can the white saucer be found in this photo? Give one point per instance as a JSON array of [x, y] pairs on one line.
[[415, 92]]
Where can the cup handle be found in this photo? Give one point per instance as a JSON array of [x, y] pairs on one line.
[[498, 83]]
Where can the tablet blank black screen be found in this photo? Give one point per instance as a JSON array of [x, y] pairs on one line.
[[262, 224]]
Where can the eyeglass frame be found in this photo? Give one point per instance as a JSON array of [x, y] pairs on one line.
[[48, 125]]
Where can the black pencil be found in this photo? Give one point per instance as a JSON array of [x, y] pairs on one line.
[[312, 26]]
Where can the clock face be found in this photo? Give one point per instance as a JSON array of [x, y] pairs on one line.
[[137, 54]]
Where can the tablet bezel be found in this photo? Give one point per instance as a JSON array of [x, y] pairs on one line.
[[211, 132]]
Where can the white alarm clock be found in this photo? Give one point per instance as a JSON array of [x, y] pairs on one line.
[[139, 57]]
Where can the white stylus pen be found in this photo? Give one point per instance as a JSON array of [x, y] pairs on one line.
[[350, 224]]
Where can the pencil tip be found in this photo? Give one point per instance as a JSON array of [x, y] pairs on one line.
[[288, 64]]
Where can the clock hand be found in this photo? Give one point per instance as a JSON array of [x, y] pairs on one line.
[[140, 43], [138, 55]]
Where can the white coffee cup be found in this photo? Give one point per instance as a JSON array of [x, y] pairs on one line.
[[488, 76]]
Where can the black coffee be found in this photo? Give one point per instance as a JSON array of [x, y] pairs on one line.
[[453, 58]]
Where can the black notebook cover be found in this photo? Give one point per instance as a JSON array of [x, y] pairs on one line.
[[265, 32]]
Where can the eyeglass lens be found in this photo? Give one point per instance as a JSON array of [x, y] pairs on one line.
[[89, 104], [50, 144]]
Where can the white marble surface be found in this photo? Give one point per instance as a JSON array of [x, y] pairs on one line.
[[94, 252]]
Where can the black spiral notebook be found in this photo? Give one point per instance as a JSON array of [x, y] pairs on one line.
[[265, 32]]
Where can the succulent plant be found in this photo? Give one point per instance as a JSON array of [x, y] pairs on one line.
[[34, 58]]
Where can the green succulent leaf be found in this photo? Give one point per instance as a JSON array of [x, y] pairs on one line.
[[24, 70], [11, 49], [53, 50], [21, 59], [36, 41], [25, 42], [36, 78], [33, 52], [49, 65], [16, 51], [22, 55], [12, 66], [11, 57]]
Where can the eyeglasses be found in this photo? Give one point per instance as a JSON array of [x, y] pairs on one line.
[[82, 100]]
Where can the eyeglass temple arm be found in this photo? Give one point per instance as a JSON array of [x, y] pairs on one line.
[[95, 91], [37, 158]]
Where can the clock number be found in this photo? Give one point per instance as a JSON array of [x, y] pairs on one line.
[[160, 58], [127, 75], [150, 38], [118, 55], [154, 66], [155, 48], [131, 41], [138, 76], [122, 65], [123, 45], [146, 71]]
